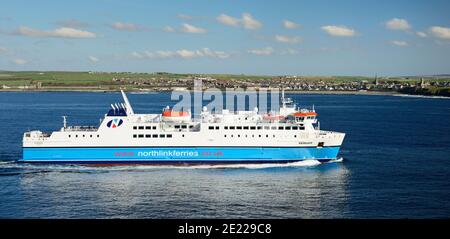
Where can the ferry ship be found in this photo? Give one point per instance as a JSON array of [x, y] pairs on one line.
[[173, 137]]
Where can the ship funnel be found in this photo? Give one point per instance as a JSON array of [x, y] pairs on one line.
[[127, 104]]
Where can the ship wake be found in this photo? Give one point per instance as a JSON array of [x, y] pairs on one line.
[[46, 168]]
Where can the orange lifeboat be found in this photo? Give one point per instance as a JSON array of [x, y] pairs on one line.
[[176, 116], [305, 114], [170, 113]]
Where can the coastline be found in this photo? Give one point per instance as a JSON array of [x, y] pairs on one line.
[[300, 92], [160, 91]]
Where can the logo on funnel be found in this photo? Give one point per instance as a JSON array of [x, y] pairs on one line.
[[114, 123]]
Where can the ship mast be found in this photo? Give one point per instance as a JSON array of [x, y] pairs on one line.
[[127, 104]]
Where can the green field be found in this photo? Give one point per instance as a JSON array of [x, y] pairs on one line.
[[57, 78], [63, 80]]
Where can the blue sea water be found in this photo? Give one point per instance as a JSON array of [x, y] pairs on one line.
[[396, 165]]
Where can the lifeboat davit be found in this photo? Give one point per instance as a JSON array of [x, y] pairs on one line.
[[176, 116]]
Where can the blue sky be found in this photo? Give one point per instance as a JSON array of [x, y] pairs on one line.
[[345, 37]]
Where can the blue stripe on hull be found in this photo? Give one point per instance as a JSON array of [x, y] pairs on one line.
[[177, 155]]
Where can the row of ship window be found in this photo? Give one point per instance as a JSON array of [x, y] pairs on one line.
[[229, 127], [170, 136], [152, 136], [258, 127], [253, 136], [154, 127], [84, 136]]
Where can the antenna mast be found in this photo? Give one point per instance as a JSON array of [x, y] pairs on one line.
[[64, 121], [127, 104]]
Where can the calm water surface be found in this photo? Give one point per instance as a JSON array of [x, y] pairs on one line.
[[396, 165]]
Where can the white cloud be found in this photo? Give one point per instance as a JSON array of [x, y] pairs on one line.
[[161, 54], [185, 17], [262, 51], [168, 29], [228, 20], [287, 39], [124, 26], [210, 53], [137, 55], [19, 61], [64, 32], [246, 21], [186, 53], [93, 59], [399, 43], [339, 31], [3, 49], [290, 51], [398, 24], [440, 32], [421, 34], [182, 53], [290, 25], [187, 28], [249, 22]]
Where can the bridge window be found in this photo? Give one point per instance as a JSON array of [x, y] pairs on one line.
[[211, 127], [148, 136], [280, 128], [134, 127], [266, 127], [288, 128], [141, 127], [259, 127], [225, 127], [252, 127], [239, 127], [246, 127], [177, 126], [148, 127], [141, 136], [134, 136], [274, 127], [294, 128], [162, 135], [169, 136], [155, 136], [217, 127]]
